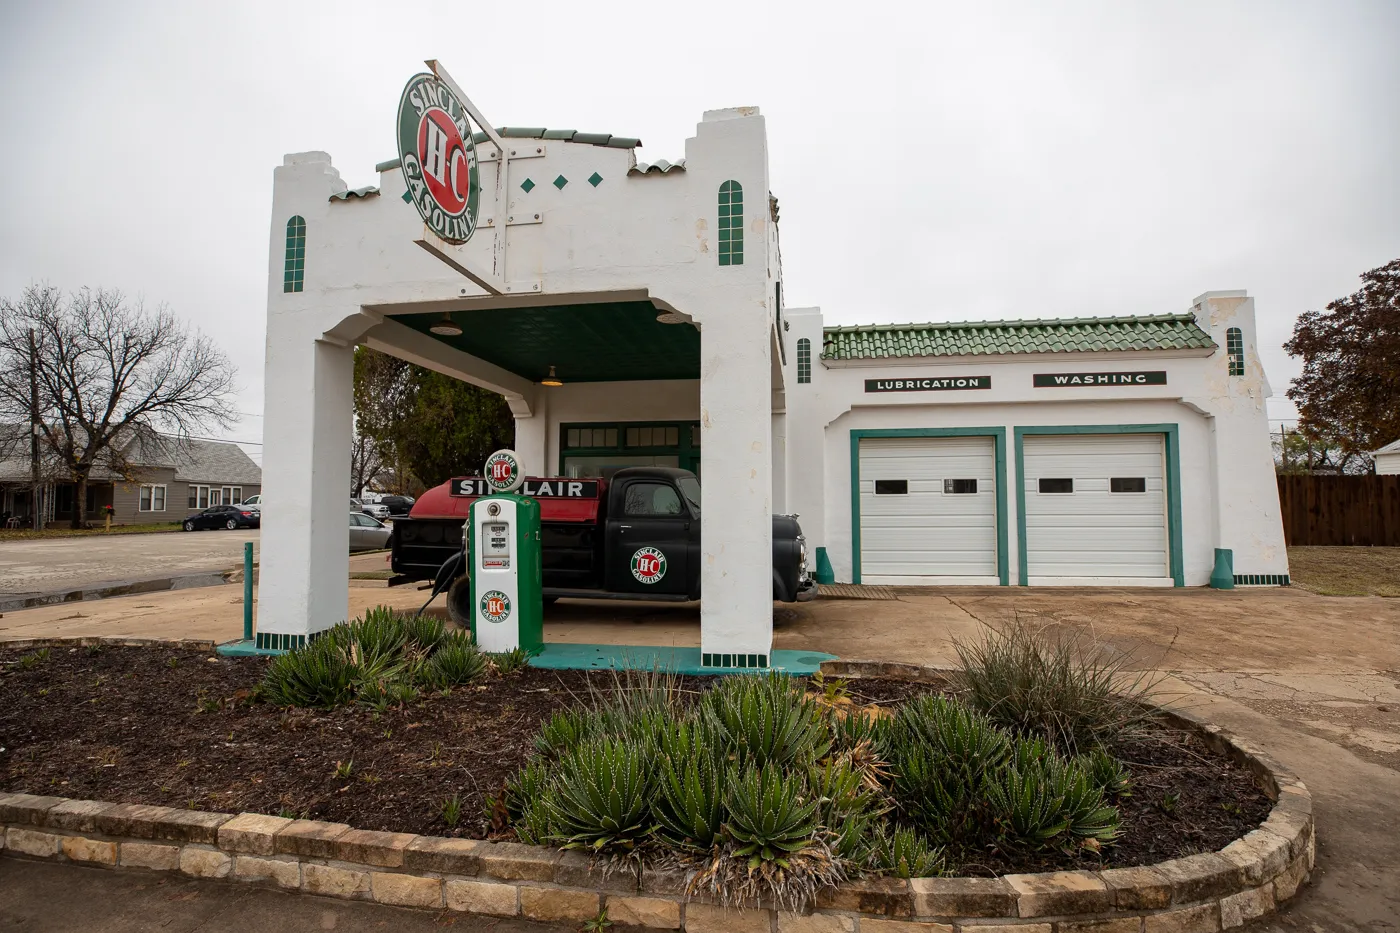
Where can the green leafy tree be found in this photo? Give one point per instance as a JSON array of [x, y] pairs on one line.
[[427, 426], [1349, 392]]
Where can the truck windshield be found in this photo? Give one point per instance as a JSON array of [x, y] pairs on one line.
[[690, 488]]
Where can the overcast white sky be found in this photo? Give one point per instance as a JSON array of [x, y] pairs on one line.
[[1029, 159]]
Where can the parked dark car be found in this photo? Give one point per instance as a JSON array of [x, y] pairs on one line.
[[224, 516], [397, 505]]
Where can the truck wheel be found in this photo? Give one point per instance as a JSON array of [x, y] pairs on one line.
[[459, 602]]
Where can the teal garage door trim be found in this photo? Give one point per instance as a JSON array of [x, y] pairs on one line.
[[1172, 444], [998, 435]]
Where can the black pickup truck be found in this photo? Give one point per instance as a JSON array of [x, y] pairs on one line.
[[635, 535]]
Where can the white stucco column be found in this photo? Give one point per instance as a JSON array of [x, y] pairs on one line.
[[306, 482], [735, 316]]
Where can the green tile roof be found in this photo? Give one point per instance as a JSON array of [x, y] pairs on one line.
[[976, 338]]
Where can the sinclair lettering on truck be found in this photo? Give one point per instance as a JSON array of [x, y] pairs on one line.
[[635, 535]]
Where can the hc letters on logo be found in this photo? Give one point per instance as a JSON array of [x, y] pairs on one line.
[[648, 565]]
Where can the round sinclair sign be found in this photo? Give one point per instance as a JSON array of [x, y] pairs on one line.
[[503, 472], [648, 565], [495, 606], [439, 158]]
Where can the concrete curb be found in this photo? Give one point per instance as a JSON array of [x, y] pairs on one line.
[[126, 588]]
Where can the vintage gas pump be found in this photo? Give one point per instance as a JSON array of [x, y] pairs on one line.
[[504, 553]]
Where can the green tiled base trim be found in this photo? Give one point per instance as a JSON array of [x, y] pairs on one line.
[[278, 641], [1262, 579], [742, 661], [569, 656]]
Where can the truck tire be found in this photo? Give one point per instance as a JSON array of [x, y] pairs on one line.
[[459, 602]]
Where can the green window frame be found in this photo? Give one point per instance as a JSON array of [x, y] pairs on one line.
[[1234, 348], [294, 268], [679, 439], [731, 224], [804, 360]]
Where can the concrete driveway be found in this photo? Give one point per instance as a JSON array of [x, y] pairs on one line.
[[47, 565]]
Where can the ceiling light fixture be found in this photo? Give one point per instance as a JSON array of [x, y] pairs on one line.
[[672, 317], [551, 379], [446, 327]]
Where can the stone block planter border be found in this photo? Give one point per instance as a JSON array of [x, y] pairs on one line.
[[1203, 893]]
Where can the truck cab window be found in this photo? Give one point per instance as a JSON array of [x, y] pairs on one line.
[[690, 488], [652, 499]]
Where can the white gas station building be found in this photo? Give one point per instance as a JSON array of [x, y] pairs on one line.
[[1131, 450]]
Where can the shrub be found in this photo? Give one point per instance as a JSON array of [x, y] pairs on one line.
[[689, 805], [903, 853], [427, 632], [1050, 800], [508, 662], [316, 675], [1107, 773], [771, 816], [526, 798], [765, 721], [601, 797], [455, 662], [565, 731], [1070, 690]]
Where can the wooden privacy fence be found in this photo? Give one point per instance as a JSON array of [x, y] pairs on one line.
[[1334, 511]]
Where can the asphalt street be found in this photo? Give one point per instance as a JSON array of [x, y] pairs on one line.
[[47, 565]]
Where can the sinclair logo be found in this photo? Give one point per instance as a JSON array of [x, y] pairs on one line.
[[648, 565], [495, 606], [439, 158], [503, 473]]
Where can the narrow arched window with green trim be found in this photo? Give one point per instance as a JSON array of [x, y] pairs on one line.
[[294, 269], [804, 360], [1234, 348], [731, 224]]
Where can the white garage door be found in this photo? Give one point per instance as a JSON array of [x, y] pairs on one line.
[[928, 510], [1095, 507]]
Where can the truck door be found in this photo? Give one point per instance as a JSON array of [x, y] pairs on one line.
[[648, 539]]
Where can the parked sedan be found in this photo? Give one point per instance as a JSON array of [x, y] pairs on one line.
[[224, 516], [367, 534]]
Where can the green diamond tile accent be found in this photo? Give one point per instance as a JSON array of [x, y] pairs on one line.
[[560, 182], [1047, 335], [595, 179], [407, 197], [527, 184]]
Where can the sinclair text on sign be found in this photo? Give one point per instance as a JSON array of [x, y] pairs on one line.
[[439, 158]]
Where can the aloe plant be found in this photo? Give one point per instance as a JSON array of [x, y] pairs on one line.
[[689, 805], [456, 661], [903, 853], [766, 721], [601, 795], [771, 816], [1107, 773], [316, 675]]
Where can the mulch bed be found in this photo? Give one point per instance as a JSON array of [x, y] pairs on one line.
[[178, 728]]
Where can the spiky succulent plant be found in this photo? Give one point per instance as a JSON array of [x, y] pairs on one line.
[[601, 795], [772, 816]]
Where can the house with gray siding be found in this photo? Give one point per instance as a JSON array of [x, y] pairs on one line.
[[159, 480]]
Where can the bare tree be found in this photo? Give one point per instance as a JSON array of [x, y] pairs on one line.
[[366, 460], [111, 376]]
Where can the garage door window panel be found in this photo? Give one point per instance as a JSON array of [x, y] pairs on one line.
[[891, 487], [1056, 486]]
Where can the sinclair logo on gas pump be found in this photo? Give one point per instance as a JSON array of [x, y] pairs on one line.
[[648, 565], [503, 472], [439, 158], [495, 606]]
